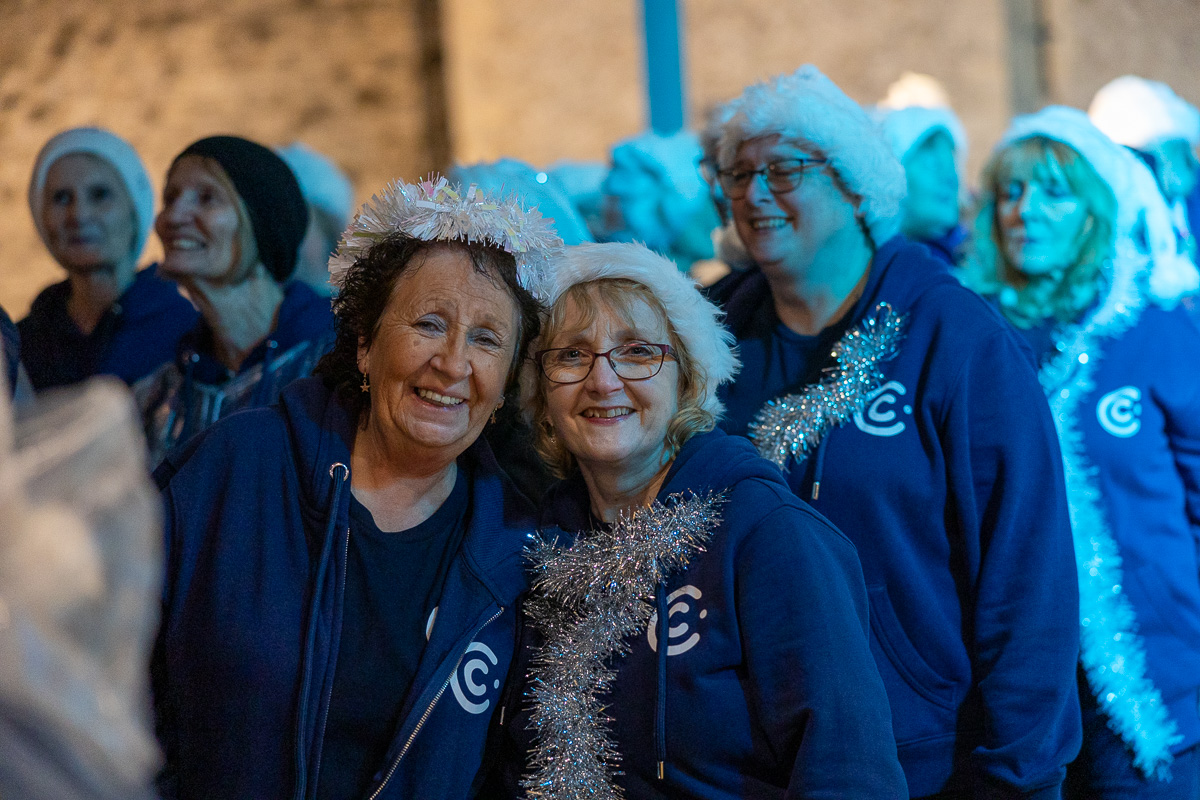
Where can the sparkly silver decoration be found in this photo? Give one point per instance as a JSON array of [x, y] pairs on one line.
[[1111, 651], [434, 210], [791, 426], [587, 600]]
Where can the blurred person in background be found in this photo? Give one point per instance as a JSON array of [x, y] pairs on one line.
[[1164, 130], [654, 195], [93, 206], [904, 409], [931, 144], [330, 198], [1074, 244], [231, 225]]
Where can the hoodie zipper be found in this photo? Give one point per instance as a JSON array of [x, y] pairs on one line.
[[429, 710]]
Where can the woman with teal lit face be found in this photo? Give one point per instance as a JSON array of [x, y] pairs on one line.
[[1074, 243]]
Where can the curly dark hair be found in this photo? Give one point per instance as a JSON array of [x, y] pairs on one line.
[[368, 286]]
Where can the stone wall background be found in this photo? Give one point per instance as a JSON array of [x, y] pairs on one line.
[[375, 83]]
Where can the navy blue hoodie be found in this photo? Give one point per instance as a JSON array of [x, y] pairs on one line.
[[767, 688], [134, 338], [196, 389], [257, 530], [950, 484]]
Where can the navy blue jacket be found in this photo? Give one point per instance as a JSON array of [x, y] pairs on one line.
[[768, 689], [1140, 424], [257, 527], [950, 484], [195, 390], [135, 337]]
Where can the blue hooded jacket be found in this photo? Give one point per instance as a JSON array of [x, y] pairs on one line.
[[950, 484], [766, 687], [257, 530], [1139, 419], [134, 338]]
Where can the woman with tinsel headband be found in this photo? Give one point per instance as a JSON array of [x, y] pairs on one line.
[[696, 630], [343, 565], [1076, 246], [907, 411]]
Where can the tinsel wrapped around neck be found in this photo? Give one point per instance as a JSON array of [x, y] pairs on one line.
[[436, 210], [1111, 651], [587, 600], [791, 426]]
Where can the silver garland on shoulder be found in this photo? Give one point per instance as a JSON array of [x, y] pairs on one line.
[[587, 600], [792, 425]]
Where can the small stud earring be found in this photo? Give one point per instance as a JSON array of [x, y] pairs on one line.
[[366, 385]]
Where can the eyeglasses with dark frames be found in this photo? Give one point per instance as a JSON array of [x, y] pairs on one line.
[[635, 361], [782, 176]]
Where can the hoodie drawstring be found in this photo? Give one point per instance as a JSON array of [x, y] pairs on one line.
[[314, 613], [819, 467], [660, 712]]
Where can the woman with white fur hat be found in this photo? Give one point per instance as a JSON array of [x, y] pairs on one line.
[[696, 625], [1076, 246], [93, 206], [908, 412]]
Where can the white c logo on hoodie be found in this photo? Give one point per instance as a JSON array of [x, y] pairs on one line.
[[880, 417], [1119, 411], [676, 631]]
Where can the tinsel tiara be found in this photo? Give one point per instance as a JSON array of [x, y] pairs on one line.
[[437, 210]]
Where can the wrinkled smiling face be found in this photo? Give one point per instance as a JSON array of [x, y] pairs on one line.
[[440, 355], [605, 421], [87, 214], [931, 206], [1042, 221], [200, 223]]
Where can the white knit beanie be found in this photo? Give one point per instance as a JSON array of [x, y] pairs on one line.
[[1143, 219], [322, 183], [807, 108], [907, 129], [117, 152], [1139, 113], [695, 320]]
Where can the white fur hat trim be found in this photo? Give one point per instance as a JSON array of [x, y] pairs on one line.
[[1139, 113], [695, 320]]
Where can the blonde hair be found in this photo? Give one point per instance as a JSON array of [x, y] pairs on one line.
[[618, 295], [1028, 300]]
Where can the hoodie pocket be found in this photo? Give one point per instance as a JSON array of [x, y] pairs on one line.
[[923, 702]]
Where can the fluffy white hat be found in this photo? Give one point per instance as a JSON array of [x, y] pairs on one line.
[[113, 149], [1143, 220], [808, 108], [540, 190], [907, 128], [695, 320], [1139, 113], [322, 183]]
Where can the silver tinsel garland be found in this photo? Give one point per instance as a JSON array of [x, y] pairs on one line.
[[437, 210], [792, 425], [587, 600]]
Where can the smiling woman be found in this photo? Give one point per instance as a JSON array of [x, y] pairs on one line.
[[92, 203], [694, 620], [380, 536]]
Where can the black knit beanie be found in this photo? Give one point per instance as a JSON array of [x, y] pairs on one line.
[[278, 214]]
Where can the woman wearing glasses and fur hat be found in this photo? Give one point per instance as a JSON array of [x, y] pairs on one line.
[[908, 413], [696, 630], [343, 565]]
